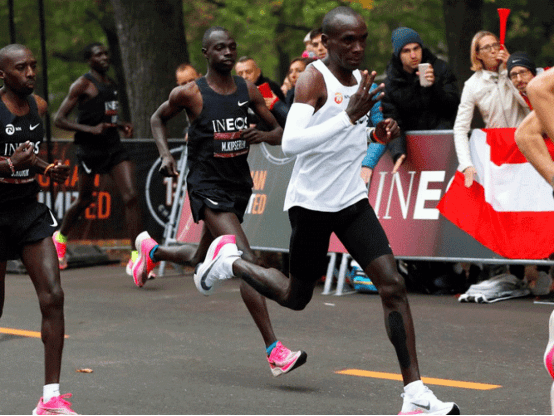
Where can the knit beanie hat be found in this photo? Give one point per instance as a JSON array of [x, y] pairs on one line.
[[521, 59], [402, 36]]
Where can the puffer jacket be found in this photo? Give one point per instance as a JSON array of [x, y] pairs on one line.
[[419, 108]]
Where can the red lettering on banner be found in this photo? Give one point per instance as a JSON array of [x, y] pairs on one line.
[[43, 181], [73, 178], [258, 205], [104, 205], [259, 177]]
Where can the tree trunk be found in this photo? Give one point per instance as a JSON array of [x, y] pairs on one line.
[[463, 20], [152, 42]]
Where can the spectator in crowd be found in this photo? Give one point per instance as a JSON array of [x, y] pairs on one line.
[[297, 66], [374, 150], [247, 68], [521, 70], [413, 106], [491, 91], [308, 47], [501, 105], [186, 73], [317, 44]]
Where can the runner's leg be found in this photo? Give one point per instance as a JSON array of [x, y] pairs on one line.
[[123, 176], [41, 263], [84, 199]]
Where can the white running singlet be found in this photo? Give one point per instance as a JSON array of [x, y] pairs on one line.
[[327, 177]]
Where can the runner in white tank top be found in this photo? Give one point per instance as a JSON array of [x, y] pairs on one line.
[[326, 177]]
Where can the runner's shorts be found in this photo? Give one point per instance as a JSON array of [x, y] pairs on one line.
[[22, 225], [356, 226], [219, 200], [93, 160]]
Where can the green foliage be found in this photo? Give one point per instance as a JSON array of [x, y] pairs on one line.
[[530, 27], [271, 31]]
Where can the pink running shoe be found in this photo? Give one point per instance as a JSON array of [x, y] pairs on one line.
[[55, 406], [282, 360], [60, 250], [144, 264], [129, 270], [549, 352]]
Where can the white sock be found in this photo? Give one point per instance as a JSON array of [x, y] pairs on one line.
[[414, 388], [49, 391], [228, 264]]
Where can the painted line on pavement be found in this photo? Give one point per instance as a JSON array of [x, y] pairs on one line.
[[22, 333], [426, 380]]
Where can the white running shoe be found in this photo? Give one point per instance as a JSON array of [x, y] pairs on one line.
[[209, 274], [427, 403]]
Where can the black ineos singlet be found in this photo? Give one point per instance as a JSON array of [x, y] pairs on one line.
[[216, 151]]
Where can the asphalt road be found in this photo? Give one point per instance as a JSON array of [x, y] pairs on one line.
[[166, 349]]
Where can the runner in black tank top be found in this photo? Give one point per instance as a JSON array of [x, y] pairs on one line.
[[219, 178], [26, 226], [99, 149]]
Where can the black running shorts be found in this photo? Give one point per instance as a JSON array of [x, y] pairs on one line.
[[24, 224], [94, 161], [357, 227], [219, 200]]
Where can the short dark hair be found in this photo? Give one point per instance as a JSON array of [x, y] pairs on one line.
[[330, 18], [209, 32], [245, 58], [87, 52], [9, 48], [315, 33]]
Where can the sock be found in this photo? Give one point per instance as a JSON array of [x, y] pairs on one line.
[[134, 255], [49, 391], [228, 263], [61, 238], [270, 348], [153, 251], [414, 388]]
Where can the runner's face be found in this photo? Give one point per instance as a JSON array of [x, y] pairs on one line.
[[347, 43], [221, 51], [19, 71], [99, 59]]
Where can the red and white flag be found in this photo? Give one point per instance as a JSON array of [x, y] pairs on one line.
[[510, 207]]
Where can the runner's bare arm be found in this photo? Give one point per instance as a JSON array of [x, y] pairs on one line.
[[541, 94], [186, 97], [77, 90]]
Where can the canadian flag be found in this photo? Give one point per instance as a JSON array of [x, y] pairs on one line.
[[510, 207]]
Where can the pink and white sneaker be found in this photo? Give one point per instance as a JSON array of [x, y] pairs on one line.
[[144, 264], [55, 406], [215, 268], [282, 360], [549, 352], [61, 248], [129, 270]]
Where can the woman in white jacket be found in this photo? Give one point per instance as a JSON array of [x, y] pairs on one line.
[[491, 90]]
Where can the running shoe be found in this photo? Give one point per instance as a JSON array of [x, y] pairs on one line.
[[60, 250], [282, 360], [209, 274], [427, 403], [129, 270], [549, 353], [144, 264], [55, 406]]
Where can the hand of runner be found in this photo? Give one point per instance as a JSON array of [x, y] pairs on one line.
[[24, 156], [363, 100], [59, 172], [101, 128], [386, 130], [169, 167]]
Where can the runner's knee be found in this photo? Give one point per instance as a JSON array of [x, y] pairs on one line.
[[393, 289], [51, 300]]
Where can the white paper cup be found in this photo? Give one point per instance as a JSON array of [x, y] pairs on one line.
[[422, 81]]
